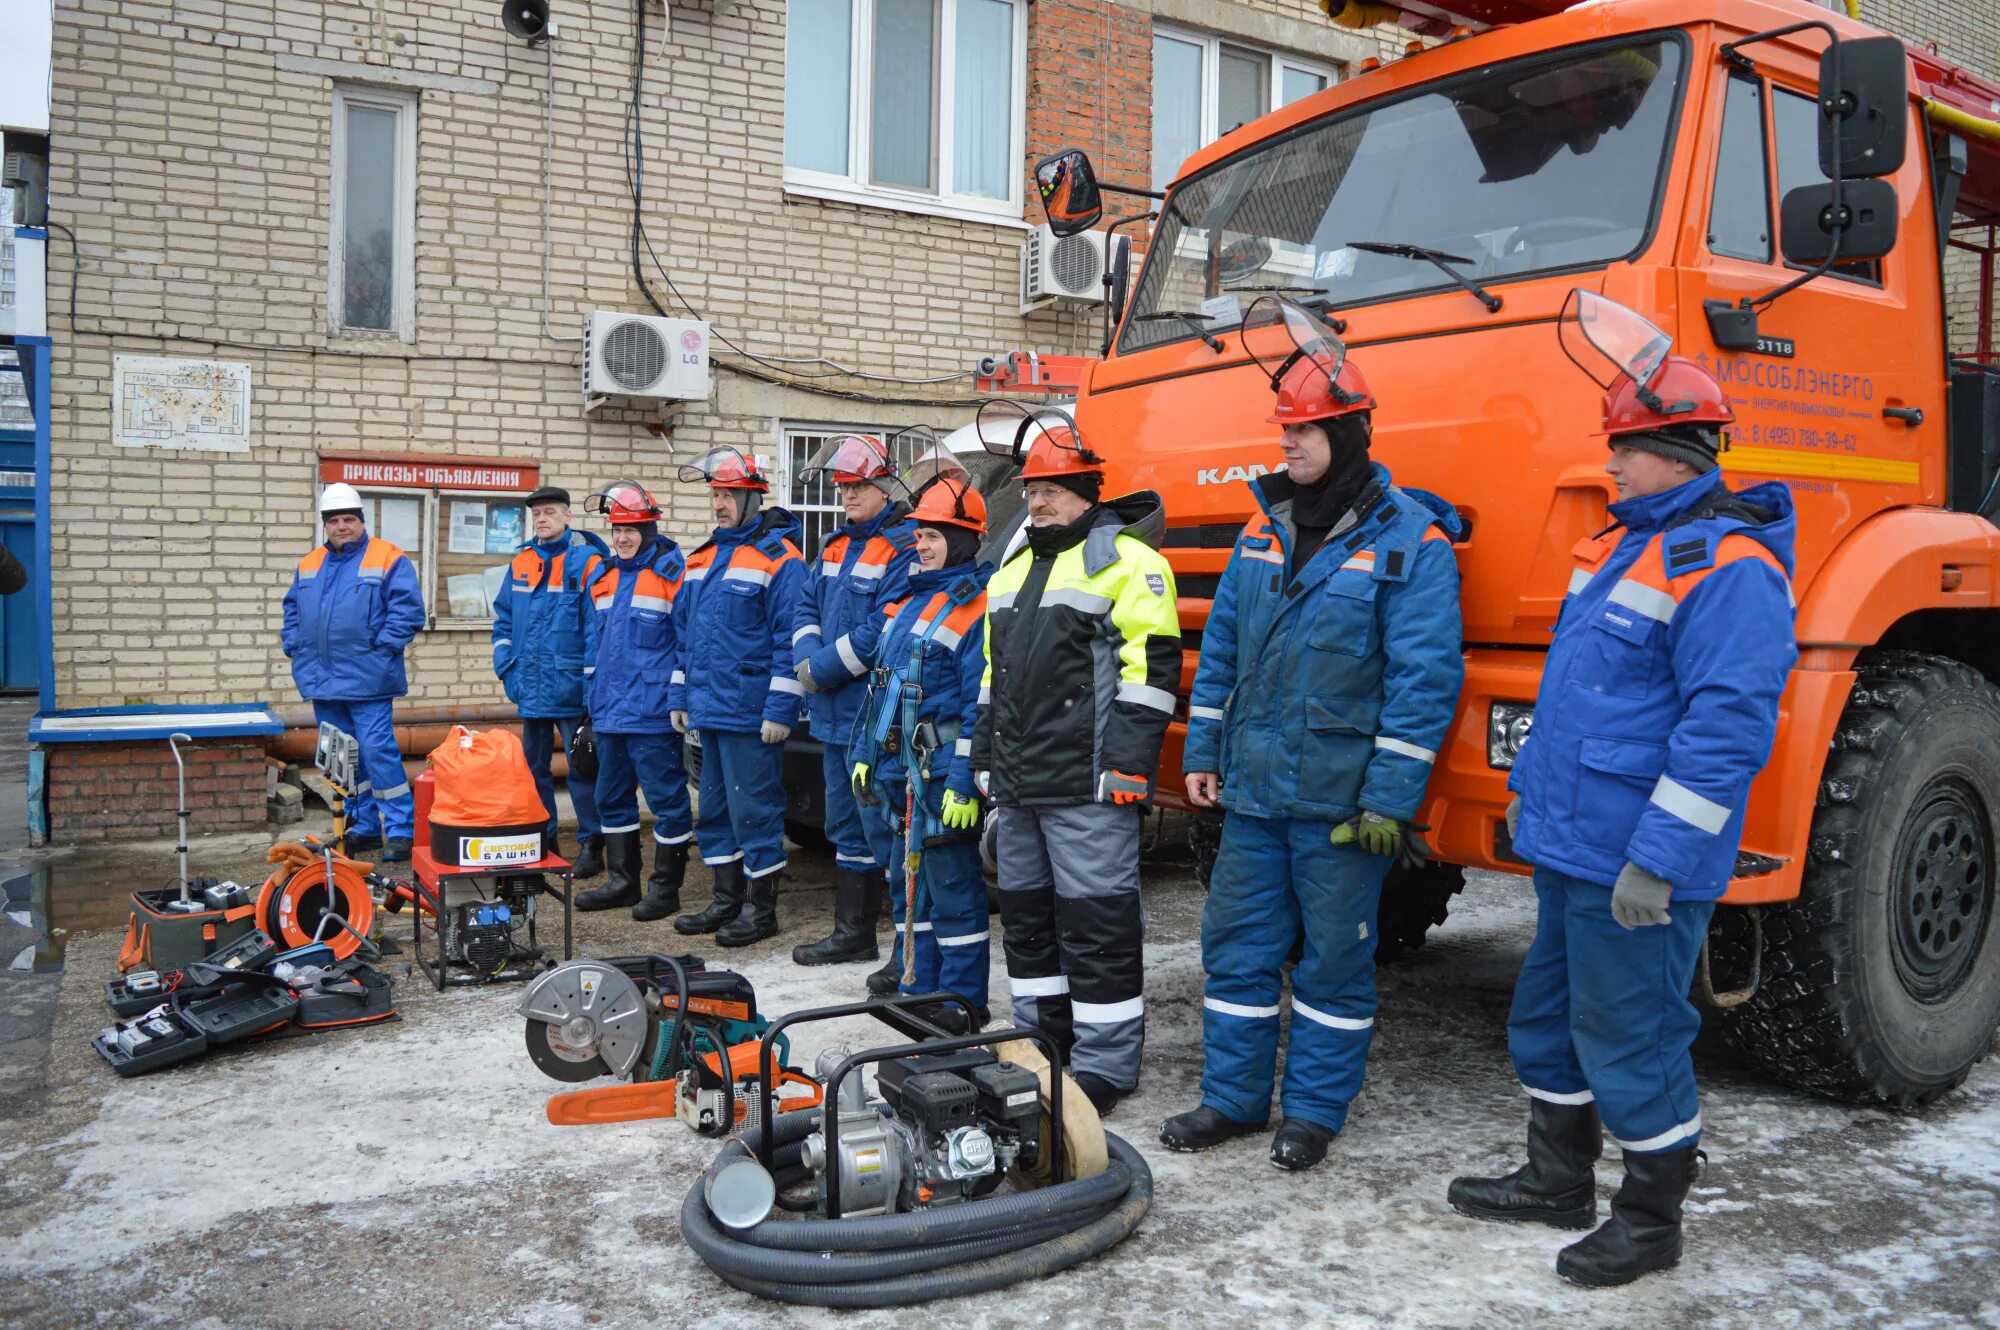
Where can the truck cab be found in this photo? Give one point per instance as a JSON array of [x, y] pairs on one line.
[[1672, 156]]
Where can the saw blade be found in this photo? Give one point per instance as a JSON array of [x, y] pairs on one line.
[[592, 1019], [559, 1060]]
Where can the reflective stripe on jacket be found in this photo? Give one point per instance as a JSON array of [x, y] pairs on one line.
[[861, 568], [630, 638], [540, 621], [946, 611], [348, 616], [1659, 699], [1083, 655], [733, 622], [1332, 691]]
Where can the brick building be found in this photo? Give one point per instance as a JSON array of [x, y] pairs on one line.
[[387, 224]]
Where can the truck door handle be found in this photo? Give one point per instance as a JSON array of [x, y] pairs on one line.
[[1909, 415]]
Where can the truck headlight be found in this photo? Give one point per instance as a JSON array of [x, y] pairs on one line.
[[1507, 727]]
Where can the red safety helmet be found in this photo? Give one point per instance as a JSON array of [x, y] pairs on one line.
[[1646, 389], [1045, 441], [849, 459], [725, 469], [624, 503], [1309, 369], [949, 500]]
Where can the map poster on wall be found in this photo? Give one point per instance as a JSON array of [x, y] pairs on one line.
[[158, 402]]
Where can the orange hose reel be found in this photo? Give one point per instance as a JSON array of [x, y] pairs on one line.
[[288, 910]]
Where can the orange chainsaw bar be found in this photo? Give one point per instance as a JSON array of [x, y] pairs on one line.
[[657, 1099]]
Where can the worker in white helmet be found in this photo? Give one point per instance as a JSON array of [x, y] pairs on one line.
[[354, 605]]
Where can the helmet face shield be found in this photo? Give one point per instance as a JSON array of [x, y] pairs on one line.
[[1044, 439], [848, 459], [1608, 342], [724, 468], [1306, 338]]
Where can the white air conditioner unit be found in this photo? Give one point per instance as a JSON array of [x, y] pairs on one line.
[[639, 355], [1069, 268]]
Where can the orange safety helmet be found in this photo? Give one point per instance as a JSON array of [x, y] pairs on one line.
[[1680, 392], [1045, 441], [950, 501], [1306, 392], [1646, 389], [725, 469], [624, 503], [849, 459]]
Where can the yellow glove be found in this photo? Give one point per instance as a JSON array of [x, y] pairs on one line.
[[959, 813], [857, 780], [1373, 832]]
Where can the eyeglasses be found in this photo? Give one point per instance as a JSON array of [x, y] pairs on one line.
[[1040, 490]]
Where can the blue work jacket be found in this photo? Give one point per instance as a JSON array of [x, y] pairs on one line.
[[941, 622], [861, 568], [733, 619], [629, 640], [540, 620], [348, 616], [1659, 699], [1329, 692]]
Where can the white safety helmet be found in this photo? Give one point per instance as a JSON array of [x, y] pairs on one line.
[[340, 497]]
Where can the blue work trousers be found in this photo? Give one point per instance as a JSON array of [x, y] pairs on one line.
[[380, 805], [537, 736], [954, 949], [625, 763], [852, 846], [1273, 878], [742, 801], [1602, 1012]]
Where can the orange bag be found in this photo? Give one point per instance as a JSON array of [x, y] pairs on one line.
[[483, 781]]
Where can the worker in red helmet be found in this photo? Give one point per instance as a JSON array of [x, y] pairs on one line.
[[1330, 670], [1658, 706], [863, 566], [934, 637], [735, 693], [1083, 654], [629, 657]]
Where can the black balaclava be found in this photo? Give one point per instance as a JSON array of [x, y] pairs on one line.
[[1697, 445], [1318, 507], [651, 533], [961, 544], [1089, 485]]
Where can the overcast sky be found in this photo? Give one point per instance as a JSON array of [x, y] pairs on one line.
[[24, 64]]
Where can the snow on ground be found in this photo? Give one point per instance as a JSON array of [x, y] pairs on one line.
[[404, 1176]]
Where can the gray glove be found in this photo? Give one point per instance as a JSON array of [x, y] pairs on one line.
[[804, 671], [1640, 898], [1514, 817], [680, 720], [774, 732]]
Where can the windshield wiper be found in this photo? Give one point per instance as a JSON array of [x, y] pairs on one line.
[[1316, 299], [1438, 259], [1193, 321]]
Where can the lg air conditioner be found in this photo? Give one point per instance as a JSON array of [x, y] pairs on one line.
[[638, 355], [1066, 268]]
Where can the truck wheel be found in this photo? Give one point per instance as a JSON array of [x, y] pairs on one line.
[[1882, 981], [1205, 843], [1413, 902]]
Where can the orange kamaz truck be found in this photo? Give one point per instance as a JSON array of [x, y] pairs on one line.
[[1794, 198]]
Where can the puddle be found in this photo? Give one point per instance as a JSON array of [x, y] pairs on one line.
[[52, 901]]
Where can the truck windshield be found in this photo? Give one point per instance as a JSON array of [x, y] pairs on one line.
[[1527, 167]]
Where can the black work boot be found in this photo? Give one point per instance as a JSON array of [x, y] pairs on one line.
[[589, 856], [1556, 1186], [887, 978], [621, 857], [857, 901], [360, 847], [396, 850], [759, 917], [1299, 1145], [1102, 1094], [1644, 1231], [663, 888], [723, 908], [1203, 1128]]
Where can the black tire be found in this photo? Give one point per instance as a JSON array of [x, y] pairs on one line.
[[1881, 983], [1205, 843], [1413, 903]]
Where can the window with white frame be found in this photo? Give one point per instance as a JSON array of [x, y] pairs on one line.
[[371, 235], [1204, 86], [913, 104]]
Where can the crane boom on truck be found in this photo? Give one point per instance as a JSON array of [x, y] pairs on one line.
[[1795, 198]]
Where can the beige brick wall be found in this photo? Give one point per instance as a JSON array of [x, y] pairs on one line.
[[191, 142]]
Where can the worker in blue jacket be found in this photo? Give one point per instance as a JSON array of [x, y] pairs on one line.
[[935, 638], [540, 618], [1658, 706], [863, 566], [630, 654], [734, 692], [353, 606], [1330, 669]]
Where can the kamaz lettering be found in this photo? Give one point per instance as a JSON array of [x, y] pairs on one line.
[[1215, 475]]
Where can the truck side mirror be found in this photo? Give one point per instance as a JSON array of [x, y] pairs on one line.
[[1070, 196], [1866, 111], [1867, 228]]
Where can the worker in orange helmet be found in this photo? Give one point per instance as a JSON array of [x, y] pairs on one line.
[[1330, 669], [1083, 654]]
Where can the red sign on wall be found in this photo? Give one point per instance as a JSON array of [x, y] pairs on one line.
[[419, 471]]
